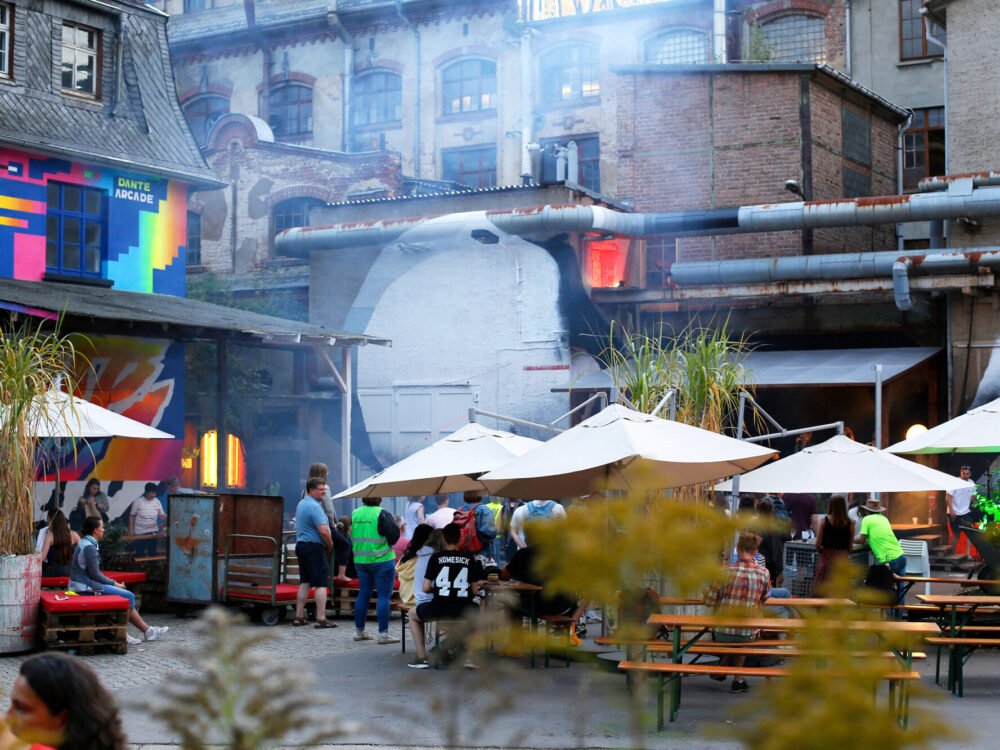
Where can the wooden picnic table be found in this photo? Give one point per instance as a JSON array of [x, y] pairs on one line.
[[953, 622], [705, 623], [910, 581]]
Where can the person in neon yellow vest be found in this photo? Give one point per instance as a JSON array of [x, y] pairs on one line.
[[373, 532]]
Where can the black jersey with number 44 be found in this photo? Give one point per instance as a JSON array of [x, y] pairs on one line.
[[452, 574]]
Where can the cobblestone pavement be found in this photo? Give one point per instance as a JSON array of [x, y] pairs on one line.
[[151, 663]]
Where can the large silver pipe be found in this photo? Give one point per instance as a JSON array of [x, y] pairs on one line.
[[960, 200]]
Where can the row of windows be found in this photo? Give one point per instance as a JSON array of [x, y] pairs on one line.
[[81, 55]]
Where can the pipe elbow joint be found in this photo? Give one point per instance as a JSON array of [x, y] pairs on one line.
[[901, 284]]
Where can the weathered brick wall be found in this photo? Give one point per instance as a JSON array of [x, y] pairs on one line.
[[973, 126], [714, 140], [266, 174]]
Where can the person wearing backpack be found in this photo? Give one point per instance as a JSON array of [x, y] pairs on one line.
[[478, 526], [531, 511]]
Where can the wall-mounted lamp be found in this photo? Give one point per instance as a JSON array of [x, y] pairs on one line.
[[915, 431]]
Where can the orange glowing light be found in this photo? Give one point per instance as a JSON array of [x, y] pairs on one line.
[[607, 260], [236, 465]]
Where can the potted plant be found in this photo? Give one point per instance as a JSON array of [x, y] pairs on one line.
[[32, 362]]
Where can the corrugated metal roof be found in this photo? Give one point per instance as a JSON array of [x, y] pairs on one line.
[[486, 190], [816, 367], [188, 317]]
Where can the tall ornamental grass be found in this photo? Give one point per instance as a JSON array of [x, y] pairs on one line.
[[32, 362]]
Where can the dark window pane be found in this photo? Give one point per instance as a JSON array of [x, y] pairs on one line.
[[52, 228], [71, 231], [92, 259], [52, 195], [67, 70], [92, 234], [71, 198], [93, 203], [71, 257], [52, 254]]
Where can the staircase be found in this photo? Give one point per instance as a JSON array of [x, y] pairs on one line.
[[941, 555]]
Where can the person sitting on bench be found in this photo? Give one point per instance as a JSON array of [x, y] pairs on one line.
[[85, 575], [746, 587], [452, 578]]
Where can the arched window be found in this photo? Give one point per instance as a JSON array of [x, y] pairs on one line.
[[683, 46], [570, 74], [795, 38], [201, 114], [293, 212], [469, 86], [377, 98], [290, 111]]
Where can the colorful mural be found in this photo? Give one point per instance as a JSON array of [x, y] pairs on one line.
[[144, 245], [144, 380]]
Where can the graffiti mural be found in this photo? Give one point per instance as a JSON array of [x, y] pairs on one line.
[[143, 379], [143, 249]]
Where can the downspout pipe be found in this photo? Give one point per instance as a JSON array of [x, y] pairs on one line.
[[544, 221], [416, 72], [900, 135], [847, 40], [345, 97], [719, 32]]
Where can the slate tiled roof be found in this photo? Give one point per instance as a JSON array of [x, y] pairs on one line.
[[136, 126]]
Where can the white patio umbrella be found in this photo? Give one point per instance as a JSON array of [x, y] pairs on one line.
[[622, 449], [452, 464], [843, 465], [61, 415], [976, 431]]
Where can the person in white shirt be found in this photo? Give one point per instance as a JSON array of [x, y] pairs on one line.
[[960, 508], [533, 510], [442, 516]]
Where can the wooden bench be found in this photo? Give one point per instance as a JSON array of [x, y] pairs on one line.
[[82, 623], [345, 594], [667, 673]]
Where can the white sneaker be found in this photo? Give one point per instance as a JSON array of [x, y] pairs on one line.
[[155, 633], [362, 636], [132, 640], [471, 665], [384, 638]]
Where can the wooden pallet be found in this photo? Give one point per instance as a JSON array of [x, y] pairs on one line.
[[98, 631]]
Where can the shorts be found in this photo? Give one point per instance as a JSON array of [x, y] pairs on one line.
[[963, 520], [433, 610], [314, 565]]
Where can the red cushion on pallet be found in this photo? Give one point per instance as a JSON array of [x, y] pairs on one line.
[[285, 592], [62, 582], [81, 603], [353, 583]]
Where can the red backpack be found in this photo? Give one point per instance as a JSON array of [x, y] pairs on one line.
[[466, 520]]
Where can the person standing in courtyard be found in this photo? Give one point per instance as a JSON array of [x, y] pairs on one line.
[[443, 515], [313, 543], [877, 533], [960, 508], [374, 532]]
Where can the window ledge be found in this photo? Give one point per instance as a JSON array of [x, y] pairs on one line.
[[588, 101], [478, 114], [918, 62], [65, 278]]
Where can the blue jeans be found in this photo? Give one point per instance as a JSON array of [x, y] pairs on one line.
[[898, 567], [380, 577], [780, 611], [115, 591]]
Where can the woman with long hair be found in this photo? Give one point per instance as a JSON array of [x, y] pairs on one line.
[[58, 701], [833, 540], [92, 504], [406, 568], [57, 549]]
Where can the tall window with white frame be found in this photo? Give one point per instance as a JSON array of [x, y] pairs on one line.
[[570, 73], [6, 24], [291, 112], [376, 101], [913, 41], [76, 230], [469, 86], [81, 60]]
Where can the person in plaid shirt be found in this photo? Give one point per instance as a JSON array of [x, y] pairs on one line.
[[747, 586]]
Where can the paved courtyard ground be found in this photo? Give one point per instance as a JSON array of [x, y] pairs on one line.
[[504, 704]]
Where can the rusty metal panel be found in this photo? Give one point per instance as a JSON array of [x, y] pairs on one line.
[[192, 572], [20, 590], [256, 515]]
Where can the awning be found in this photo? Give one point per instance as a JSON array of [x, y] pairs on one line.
[[151, 314], [819, 367], [814, 367]]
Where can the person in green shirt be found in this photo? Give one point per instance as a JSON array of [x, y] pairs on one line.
[[877, 533]]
